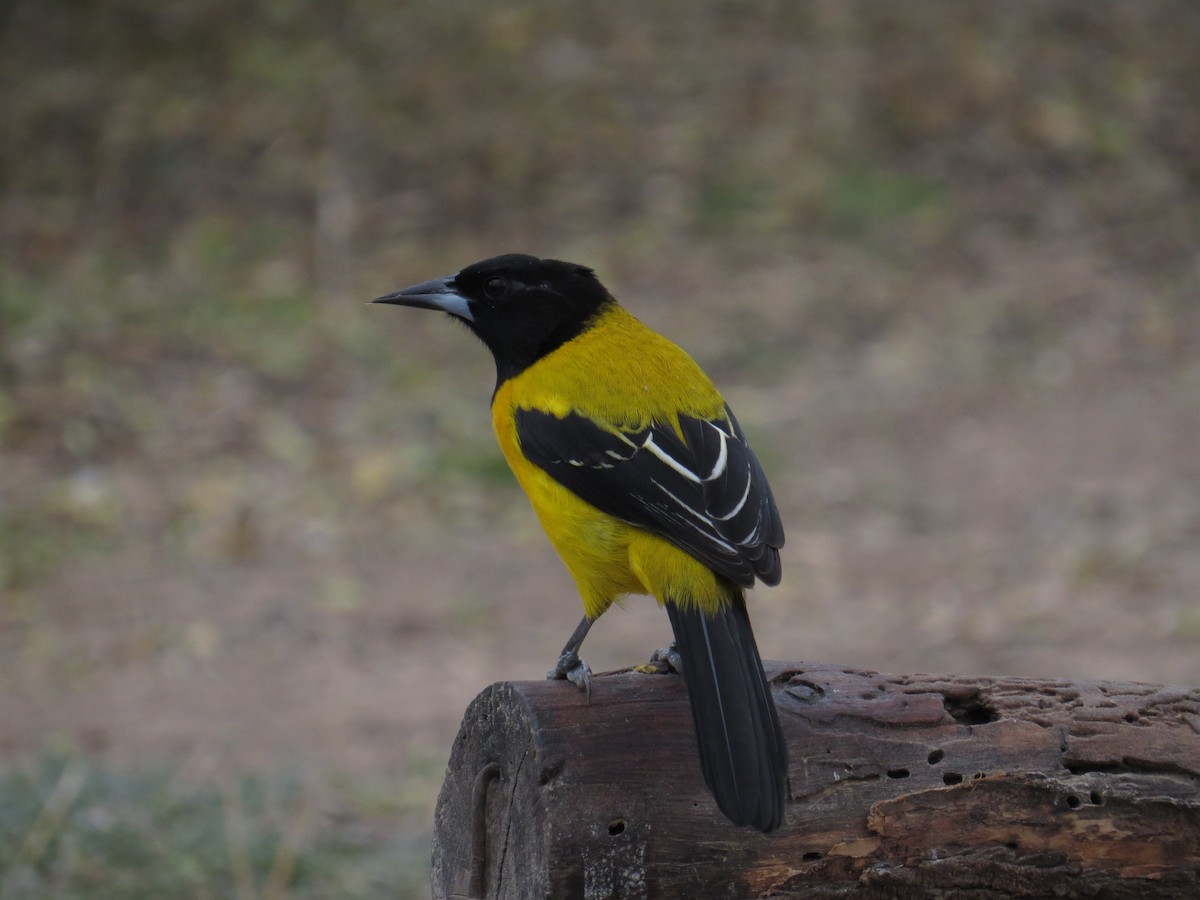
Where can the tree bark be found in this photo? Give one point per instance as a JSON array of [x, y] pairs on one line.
[[900, 786]]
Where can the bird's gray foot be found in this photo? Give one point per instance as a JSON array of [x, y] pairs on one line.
[[665, 661], [574, 669], [670, 657]]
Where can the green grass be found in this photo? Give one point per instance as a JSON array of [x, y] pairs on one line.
[[860, 199], [34, 540], [73, 829]]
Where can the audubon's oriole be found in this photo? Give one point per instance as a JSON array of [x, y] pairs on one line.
[[644, 483]]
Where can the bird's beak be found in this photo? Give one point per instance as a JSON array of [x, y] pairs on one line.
[[435, 294]]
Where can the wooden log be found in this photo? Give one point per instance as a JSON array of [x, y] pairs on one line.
[[900, 786]]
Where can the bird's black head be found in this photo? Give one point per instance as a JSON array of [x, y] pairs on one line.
[[521, 307]]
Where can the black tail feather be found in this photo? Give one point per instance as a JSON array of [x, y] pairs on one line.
[[742, 751]]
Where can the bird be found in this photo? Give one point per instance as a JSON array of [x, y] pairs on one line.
[[644, 483]]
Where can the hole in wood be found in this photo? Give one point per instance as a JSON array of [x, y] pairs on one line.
[[970, 709], [897, 773], [1096, 799], [952, 778], [1073, 802], [936, 756], [811, 856], [1011, 845], [804, 691], [616, 827]]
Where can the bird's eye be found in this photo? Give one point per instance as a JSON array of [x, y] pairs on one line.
[[495, 287]]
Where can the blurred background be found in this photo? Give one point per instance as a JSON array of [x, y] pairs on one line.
[[258, 549]]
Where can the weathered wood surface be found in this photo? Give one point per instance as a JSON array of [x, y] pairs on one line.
[[900, 786]]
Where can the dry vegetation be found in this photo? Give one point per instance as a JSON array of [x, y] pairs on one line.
[[942, 258]]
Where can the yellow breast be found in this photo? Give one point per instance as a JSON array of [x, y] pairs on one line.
[[623, 374]]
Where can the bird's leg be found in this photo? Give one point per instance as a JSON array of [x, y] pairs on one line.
[[569, 665]]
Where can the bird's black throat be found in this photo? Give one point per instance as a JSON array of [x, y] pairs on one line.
[[523, 349], [525, 308]]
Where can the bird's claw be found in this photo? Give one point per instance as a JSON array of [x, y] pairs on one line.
[[668, 659], [575, 670]]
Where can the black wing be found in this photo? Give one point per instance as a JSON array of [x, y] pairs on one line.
[[706, 494]]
